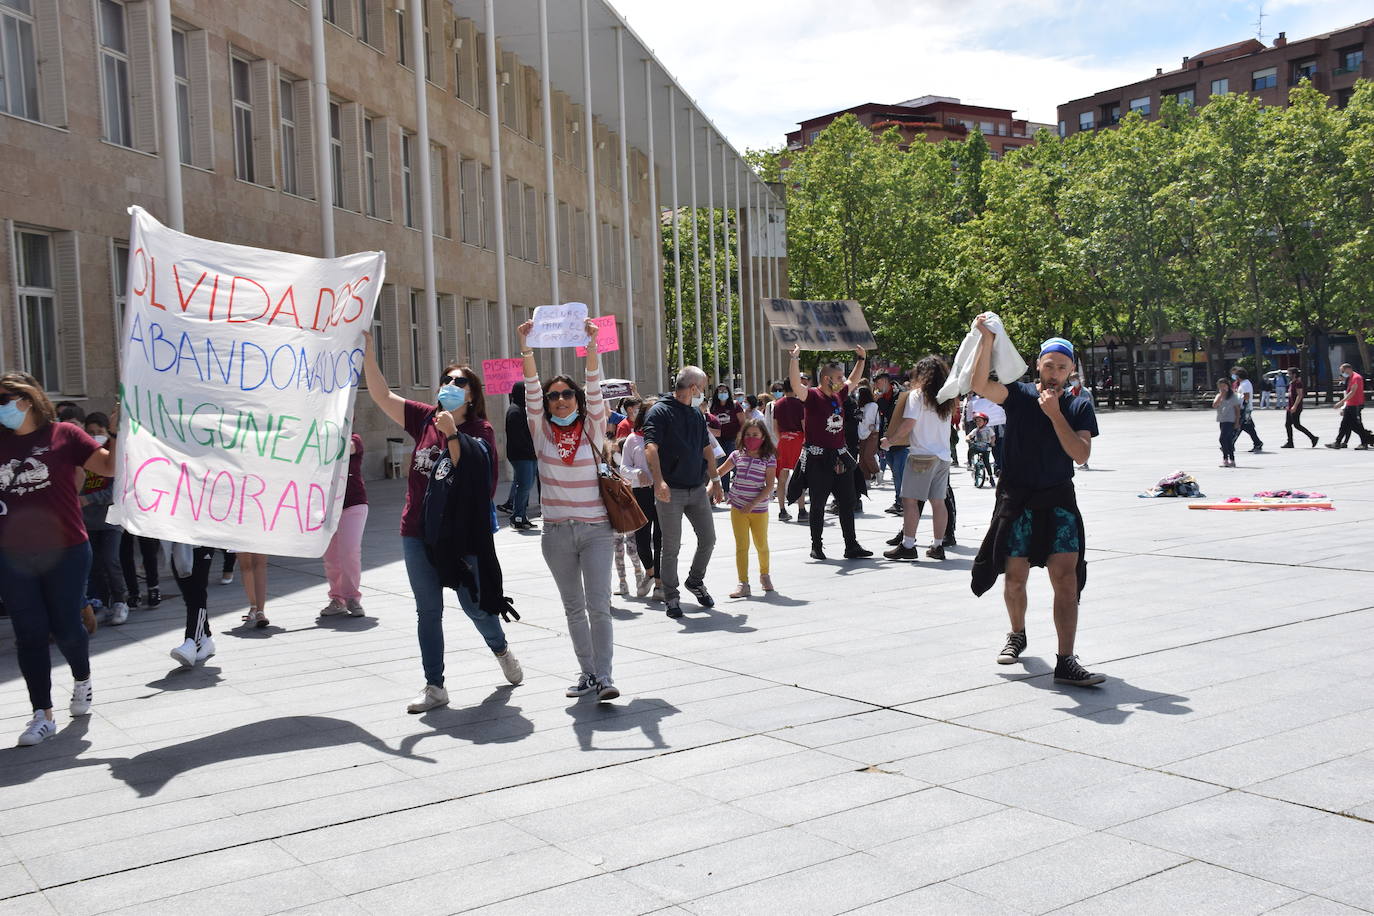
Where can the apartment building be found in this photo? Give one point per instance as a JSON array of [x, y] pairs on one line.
[[931, 118]]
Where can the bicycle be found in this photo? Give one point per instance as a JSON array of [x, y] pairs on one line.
[[982, 466]]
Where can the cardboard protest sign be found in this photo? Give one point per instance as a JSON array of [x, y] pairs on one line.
[[616, 388], [819, 325], [607, 340], [559, 326], [500, 375], [239, 372]]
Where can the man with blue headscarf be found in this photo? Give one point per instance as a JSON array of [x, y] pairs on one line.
[[1037, 521]]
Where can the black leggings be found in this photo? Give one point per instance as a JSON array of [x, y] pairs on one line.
[[194, 586], [821, 482], [1292, 421], [649, 537], [148, 548]]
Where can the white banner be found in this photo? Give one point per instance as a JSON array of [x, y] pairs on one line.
[[559, 326], [239, 371]]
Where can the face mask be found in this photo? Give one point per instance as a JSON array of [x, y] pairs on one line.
[[451, 397], [752, 442], [777, 392], [721, 395], [11, 416], [101, 440], [696, 400], [563, 421]]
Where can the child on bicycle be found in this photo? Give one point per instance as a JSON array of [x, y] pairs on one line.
[[980, 442]]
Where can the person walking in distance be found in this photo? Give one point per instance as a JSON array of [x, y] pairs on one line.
[[1292, 418], [728, 415], [1036, 520], [789, 432], [1227, 406], [343, 558], [677, 447], [1351, 406], [1245, 390], [523, 461], [829, 464], [926, 478], [634, 468]]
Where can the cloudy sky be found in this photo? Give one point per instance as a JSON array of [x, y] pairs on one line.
[[757, 67]]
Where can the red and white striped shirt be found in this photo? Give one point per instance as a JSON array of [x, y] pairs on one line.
[[569, 491]]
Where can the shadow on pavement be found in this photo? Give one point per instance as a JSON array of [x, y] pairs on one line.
[[1109, 703], [714, 621], [492, 721], [644, 714]]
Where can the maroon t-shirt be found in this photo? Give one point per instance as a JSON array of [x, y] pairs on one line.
[[727, 415], [789, 414], [429, 445], [40, 508], [825, 418], [355, 490]]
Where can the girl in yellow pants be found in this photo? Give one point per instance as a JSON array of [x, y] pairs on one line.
[[755, 468]]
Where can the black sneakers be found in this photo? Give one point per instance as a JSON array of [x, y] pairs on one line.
[[1016, 644], [674, 610], [855, 552], [1068, 671], [817, 553], [895, 540], [803, 515], [698, 590], [937, 552], [902, 553]]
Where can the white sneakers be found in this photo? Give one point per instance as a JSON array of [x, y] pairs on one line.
[[334, 608], [355, 607], [430, 698], [39, 729], [185, 654], [643, 586], [119, 613], [82, 697], [227, 578], [587, 683], [510, 666], [206, 650]]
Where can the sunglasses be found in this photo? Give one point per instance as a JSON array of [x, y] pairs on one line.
[[458, 381], [567, 394]]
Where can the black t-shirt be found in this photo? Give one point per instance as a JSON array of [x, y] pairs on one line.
[[680, 433], [1032, 456]]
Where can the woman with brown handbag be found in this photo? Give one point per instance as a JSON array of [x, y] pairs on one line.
[[568, 425]]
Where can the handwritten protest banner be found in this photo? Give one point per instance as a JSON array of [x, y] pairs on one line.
[[239, 374], [607, 340], [559, 325], [500, 375], [826, 325]]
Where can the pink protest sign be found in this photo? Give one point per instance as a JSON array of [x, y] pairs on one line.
[[500, 375], [608, 339]]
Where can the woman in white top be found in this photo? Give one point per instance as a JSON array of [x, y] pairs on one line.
[[634, 468], [926, 479], [869, 421]]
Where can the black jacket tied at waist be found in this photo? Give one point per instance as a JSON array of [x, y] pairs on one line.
[[458, 522], [1012, 503]]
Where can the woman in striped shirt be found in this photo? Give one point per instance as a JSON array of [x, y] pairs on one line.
[[568, 426]]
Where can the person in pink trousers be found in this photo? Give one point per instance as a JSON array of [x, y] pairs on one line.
[[343, 560]]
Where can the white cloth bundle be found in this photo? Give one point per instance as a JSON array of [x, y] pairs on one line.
[[1006, 362]]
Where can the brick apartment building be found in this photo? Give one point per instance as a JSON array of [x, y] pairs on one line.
[[1333, 62], [79, 141], [934, 118]]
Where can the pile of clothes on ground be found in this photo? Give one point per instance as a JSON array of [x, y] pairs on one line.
[[1179, 483]]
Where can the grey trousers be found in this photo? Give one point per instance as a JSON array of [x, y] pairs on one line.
[[579, 556], [696, 505]]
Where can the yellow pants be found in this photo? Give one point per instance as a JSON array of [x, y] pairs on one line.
[[744, 524]]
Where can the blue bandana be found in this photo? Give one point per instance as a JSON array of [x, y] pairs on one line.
[[1057, 345]]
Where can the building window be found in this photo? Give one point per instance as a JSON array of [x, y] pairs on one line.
[[369, 166], [565, 257], [438, 189], [1061, 129], [18, 61], [1343, 96], [242, 92], [336, 152], [1303, 70], [1185, 96], [38, 306], [417, 360], [364, 26], [379, 339], [429, 53], [1352, 60], [1141, 105], [486, 196], [119, 279], [286, 91], [1221, 86], [402, 39], [1267, 78], [408, 178], [114, 73], [469, 201], [181, 71], [1085, 120], [532, 225], [1111, 114]]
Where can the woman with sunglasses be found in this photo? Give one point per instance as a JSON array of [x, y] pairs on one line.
[[45, 554], [568, 425], [463, 408]]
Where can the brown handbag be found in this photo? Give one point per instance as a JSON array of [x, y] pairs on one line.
[[622, 509]]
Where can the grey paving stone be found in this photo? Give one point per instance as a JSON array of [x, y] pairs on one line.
[[836, 886], [15, 881], [1338, 785], [257, 896], [668, 836], [1316, 906], [831, 794], [889, 820], [942, 899], [26, 905], [1194, 888], [595, 896], [944, 853]]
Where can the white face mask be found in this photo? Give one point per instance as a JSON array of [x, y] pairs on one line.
[[101, 440]]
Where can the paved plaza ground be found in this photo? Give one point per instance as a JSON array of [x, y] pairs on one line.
[[846, 745]]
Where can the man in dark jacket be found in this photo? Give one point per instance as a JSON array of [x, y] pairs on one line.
[[524, 465]]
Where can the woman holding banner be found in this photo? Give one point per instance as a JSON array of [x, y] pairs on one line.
[[460, 398], [45, 554], [568, 424]]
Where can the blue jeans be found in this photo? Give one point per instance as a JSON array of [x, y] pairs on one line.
[[43, 593], [429, 609], [522, 486], [896, 457]]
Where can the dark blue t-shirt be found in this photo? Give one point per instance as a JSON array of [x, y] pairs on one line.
[[1031, 454], [680, 433]]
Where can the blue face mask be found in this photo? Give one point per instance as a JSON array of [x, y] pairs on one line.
[[563, 421], [451, 397], [11, 416]]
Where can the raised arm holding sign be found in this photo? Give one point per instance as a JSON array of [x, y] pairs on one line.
[[558, 326], [819, 325]]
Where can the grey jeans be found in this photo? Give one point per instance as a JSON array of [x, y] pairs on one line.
[[696, 505], [579, 556]]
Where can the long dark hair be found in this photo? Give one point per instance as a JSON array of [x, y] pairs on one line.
[[766, 449], [477, 399], [864, 395], [928, 377], [581, 395], [26, 386], [643, 414]]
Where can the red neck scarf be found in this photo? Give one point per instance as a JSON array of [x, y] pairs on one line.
[[567, 440]]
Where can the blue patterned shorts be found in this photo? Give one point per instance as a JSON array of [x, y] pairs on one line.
[[1065, 533]]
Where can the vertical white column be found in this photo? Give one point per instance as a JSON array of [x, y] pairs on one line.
[[590, 142], [696, 246], [656, 231], [416, 20], [319, 111], [755, 295], [631, 370], [498, 178], [711, 254], [677, 206], [169, 125], [745, 338], [725, 292], [550, 190]]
